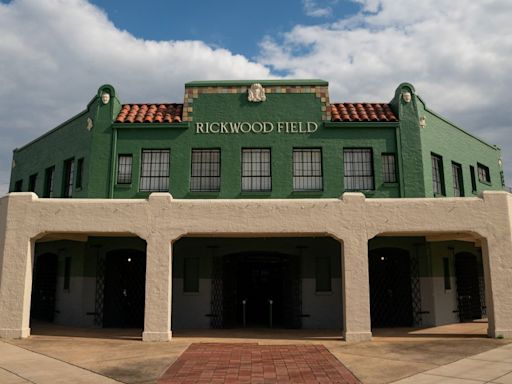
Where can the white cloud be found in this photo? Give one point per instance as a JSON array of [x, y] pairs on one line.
[[55, 54], [311, 8], [458, 54]]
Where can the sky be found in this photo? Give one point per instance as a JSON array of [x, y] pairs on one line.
[[54, 55]]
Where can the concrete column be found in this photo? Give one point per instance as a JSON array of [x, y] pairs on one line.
[[497, 263], [157, 309], [356, 289], [16, 258]]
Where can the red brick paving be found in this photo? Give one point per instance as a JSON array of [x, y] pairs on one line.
[[253, 363]]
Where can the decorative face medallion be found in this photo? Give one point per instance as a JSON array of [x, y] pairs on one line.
[[406, 96], [423, 121], [256, 93], [89, 124], [105, 98]]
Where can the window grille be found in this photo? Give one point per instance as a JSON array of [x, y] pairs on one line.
[[79, 172], [256, 170], [389, 168], [154, 175], [48, 182], [68, 177], [483, 173], [18, 186], [358, 166], [32, 182], [437, 175], [307, 169], [124, 169], [205, 174], [458, 185]]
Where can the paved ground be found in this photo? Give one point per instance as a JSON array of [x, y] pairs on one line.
[[257, 364], [391, 355]]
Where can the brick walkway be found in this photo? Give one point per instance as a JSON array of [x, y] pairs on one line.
[[253, 363]]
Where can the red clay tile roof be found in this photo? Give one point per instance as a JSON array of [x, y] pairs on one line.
[[362, 112], [150, 113]]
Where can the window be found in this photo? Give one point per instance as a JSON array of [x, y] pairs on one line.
[[388, 168], [124, 169], [49, 175], [79, 172], [358, 165], [323, 274], [473, 178], [18, 186], [446, 273], [307, 169], [437, 175], [67, 272], [484, 175], [458, 184], [191, 274], [67, 186], [256, 173], [32, 182], [154, 172], [205, 174]]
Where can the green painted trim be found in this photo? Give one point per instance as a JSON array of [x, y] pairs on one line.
[[182, 125], [113, 165], [493, 146], [224, 83], [401, 172], [361, 124]]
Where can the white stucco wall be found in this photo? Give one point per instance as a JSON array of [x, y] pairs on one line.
[[160, 220]]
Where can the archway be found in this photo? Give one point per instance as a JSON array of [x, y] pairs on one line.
[[469, 287], [124, 292], [390, 288], [44, 286]]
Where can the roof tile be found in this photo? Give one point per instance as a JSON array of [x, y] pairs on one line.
[[150, 113], [350, 112]]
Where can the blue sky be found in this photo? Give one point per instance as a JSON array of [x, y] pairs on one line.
[[237, 25], [54, 55]]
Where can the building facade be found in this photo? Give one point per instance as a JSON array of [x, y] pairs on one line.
[[255, 233]]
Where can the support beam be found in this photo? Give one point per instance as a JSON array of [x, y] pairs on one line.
[[356, 292], [157, 309]]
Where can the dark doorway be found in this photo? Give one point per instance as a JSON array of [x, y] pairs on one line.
[[125, 278], [390, 288], [468, 287], [44, 286], [258, 278]]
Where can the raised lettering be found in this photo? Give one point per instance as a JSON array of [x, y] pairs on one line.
[[234, 127], [312, 126], [247, 127], [199, 128], [213, 129]]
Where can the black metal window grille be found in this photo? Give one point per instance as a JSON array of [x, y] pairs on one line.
[[473, 178], [124, 169], [49, 175], [358, 167], [69, 173], [18, 186], [154, 173], [79, 172], [256, 170], [307, 169], [205, 173], [388, 168], [437, 175], [458, 185], [32, 182], [483, 173]]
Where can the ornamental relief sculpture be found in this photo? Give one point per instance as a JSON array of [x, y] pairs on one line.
[[256, 93]]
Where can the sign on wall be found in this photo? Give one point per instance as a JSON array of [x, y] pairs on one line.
[[256, 127]]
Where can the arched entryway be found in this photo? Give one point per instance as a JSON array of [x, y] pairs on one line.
[[469, 292], [261, 289], [390, 288], [124, 292], [44, 286]]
